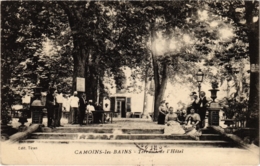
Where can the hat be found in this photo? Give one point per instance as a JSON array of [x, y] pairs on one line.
[[163, 101], [75, 93], [193, 93]]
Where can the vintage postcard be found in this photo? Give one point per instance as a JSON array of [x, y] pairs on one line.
[[130, 82]]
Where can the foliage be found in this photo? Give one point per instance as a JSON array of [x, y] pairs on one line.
[[214, 84], [24, 61], [91, 38], [7, 99], [235, 109]]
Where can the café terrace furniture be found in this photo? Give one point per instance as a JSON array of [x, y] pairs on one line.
[[95, 114]]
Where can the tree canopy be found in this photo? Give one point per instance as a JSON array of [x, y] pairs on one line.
[[94, 39]]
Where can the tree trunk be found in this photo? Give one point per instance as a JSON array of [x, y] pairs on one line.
[[98, 90], [163, 85], [159, 85], [253, 38], [79, 57], [253, 105], [80, 54], [145, 92], [155, 72], [91, 83], [160, 90]]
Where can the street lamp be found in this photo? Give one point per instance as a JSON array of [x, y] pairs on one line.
[[199, 77]]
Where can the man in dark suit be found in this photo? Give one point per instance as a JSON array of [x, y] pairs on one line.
[[190, 104], [82, 108], [51, 106], [196, 104], [202, 108]]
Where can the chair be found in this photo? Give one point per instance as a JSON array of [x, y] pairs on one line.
[[88, 118]]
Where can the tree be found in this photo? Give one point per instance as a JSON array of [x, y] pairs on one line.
[[24, 32], [245, 16], [103, 36], [162, 22], [83, 27]]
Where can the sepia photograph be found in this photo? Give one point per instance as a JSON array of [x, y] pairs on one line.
[[130, 82]]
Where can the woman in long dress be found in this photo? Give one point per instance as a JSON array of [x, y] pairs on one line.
[[192, 124], [162, 113], [172, 123]]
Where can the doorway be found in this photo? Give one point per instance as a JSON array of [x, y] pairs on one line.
[[121, 107]]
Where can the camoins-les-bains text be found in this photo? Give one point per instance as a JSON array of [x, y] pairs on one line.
[[125, 151]]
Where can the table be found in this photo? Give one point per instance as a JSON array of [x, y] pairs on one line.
[[102, 113]]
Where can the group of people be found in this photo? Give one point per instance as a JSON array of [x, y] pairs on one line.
[[187, 120], [76, 106]]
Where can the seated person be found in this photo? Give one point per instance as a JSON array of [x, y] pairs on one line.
[[193, 119], [90, 107], [172, 123], [192, 124], [182, 116]]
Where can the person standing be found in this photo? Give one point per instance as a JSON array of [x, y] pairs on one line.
[[202, 108], [50, 104], [59, 99], [167, 106], [82, 108], [99, 112], [106, 108], [55, 110], [66, 106], [191, 102], [74, 104], [195, 103], [162, 113]]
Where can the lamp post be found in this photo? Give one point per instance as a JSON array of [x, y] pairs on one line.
[[199, 77]]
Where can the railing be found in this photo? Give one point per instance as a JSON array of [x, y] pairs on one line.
[[235, 123]]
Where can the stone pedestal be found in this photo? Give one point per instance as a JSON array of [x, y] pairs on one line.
[[37, 114], [213, 109]]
